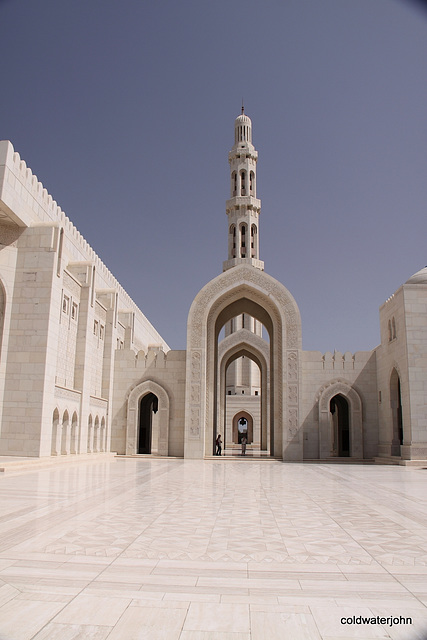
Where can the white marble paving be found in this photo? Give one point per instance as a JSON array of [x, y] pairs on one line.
[[207, 550]]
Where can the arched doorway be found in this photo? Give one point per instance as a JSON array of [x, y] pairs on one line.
[[157, 422], [340, 415], [243, 425], [340, 421], [148, 406], [396, 410]]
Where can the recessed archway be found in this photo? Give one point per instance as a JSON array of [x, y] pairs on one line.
[[334, 396], [397, 413], [135, 404], [55, 446], [65, 435], [90, 434]]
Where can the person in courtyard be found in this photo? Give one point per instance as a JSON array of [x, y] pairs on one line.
[[218, 444], [243, 443]]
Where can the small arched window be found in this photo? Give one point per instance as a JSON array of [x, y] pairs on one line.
[[252, 183], [232, 240], [243, 183], [390, 334], [234, 183], [253, 238], [243, 241], [393, 328]]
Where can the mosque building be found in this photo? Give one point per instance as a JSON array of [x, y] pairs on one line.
[[82, 370]]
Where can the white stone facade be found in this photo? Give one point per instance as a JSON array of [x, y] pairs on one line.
[[83, 371]]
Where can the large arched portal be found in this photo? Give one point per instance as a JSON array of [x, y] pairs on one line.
[[243, 290]]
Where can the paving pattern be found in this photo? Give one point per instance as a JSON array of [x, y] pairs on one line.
[[129, 549]]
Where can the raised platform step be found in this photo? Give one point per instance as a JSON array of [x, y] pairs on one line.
[[236, 457], [14, 463], [147, 456], [397, 460], [343, 460]]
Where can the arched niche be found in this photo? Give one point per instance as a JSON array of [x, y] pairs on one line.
[[65, 435], [103, 435], [56, 442], [90, 434], [96, 435], [74, 440], [243, 289], [327, 439], [133, 407]]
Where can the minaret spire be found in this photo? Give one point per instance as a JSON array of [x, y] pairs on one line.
[[243, 208]]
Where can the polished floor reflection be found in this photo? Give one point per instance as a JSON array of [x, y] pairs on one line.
[[128, 549]]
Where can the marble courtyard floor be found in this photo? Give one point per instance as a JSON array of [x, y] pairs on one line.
[[127, 549]]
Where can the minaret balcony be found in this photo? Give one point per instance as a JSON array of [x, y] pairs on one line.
[[249, 202]]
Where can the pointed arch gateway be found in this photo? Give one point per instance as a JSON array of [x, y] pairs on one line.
[[243, 289], [340, 421], [142, 400]]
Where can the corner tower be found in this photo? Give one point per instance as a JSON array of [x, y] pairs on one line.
[[243, 208]]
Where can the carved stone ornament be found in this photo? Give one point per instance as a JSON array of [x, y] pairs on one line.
[[342, 387], [195, 393], [195, 423], [293, 394], [268, 288], [69, 394], [293, 366]]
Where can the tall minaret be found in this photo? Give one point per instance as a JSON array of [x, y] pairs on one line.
[[243, 208]]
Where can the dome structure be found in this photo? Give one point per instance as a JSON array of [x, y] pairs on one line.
[[243, 119], [243, 129], [418, 278]]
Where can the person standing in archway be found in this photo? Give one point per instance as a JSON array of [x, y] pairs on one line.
[[218, 444], [243, 442]]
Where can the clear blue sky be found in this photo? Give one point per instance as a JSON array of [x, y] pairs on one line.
[[125, 111]]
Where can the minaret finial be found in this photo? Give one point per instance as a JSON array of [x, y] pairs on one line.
[[243, 107]]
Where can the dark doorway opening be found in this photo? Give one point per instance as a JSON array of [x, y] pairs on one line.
[[396, 408], [341, 421], [149, 404], [399, 414]]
